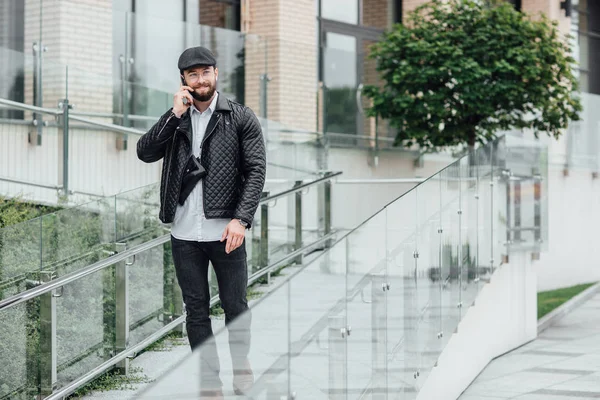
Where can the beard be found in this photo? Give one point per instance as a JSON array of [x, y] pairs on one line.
[[207, 95]]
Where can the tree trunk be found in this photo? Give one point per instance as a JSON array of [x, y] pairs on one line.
[[471, 140], [471, 152]]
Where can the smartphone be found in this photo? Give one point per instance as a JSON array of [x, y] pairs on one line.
[[184, 100]]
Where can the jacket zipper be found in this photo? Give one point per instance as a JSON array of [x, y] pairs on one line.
[[201, 151], [211, 131], [170, 162]]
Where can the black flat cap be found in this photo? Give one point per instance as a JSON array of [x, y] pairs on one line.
[[196, 56]]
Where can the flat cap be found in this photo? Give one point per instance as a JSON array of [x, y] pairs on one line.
[[196, 56]]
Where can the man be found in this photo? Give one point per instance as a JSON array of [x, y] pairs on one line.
[[208, 137]]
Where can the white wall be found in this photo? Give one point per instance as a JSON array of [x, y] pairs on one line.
[[503, 318], [573, 253], [354, 203], [96, 166]]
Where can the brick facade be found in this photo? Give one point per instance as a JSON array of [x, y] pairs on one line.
[[377, 13], [288, 32], [410, 5], [551, 8], [212, 13], [77, 33]]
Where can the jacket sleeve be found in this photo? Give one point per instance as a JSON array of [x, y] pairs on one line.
[[254, 167], [152, 145]]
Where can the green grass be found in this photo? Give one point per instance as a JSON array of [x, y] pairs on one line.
[[112, 381], [16, 210], [167, 342], [548, 301]]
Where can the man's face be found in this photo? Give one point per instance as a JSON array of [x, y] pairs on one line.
[[203, 80]]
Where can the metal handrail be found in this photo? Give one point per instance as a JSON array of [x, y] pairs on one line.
[[112, 127], [57, 112], [65, 280], [131, 117], [107, 262], [41, 185], [379, 181], [132, 351], [122, 129], [335, 134], [27, 107], [329, 176]]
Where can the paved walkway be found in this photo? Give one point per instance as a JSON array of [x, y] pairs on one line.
[[563, 363]]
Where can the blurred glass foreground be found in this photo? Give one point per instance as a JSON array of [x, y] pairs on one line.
[[366, 311], [370, 316]]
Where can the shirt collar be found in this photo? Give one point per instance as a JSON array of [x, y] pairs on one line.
[[211, 107]]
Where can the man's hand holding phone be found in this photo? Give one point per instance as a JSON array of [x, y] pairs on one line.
[[182, 100]]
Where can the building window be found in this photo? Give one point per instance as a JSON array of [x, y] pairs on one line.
[[221, 13], [516, 4], [12, 56], [340, 10]]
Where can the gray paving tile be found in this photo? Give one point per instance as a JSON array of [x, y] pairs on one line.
[[572, 394], [479, 392], [542, 338], [514, 363], [554, 396], [553, 353], [562, 363], [588, 383], [585, 362], [562, 371], [521, 383]]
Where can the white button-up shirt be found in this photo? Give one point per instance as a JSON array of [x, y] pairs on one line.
[[190, 223]]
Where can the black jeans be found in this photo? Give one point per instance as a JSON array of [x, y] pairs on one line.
[[191, 265]]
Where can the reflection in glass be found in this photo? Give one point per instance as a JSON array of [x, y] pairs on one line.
[[340, 10], [340, 81]]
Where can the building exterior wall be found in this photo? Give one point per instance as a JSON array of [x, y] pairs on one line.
[[212, 13], [289, 30], [77, 34], [550, 8], [410, 5]]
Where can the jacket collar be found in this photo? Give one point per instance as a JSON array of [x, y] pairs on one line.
[[186, 121], [222, 103]]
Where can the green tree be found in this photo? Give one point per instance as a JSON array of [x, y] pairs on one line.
[[460, 70]]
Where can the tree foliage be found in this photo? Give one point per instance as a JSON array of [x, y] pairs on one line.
[[460, 70]]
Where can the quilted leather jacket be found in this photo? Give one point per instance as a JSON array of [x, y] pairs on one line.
[[233, 154]]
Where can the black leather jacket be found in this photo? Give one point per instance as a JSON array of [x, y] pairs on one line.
[[233, 154]]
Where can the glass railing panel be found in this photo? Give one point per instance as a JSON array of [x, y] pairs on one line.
[[85, 312], [402, 311], [19, 351], [367, 264], [527, 187], [282, 225], [468, 181], [20, 256], [77, 237], [428, 285], [15, 66], [267, 354], [317, 320], [502, 206], [240, 59], [450, 192], [154, 293], [583, 145], [137, 215]]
